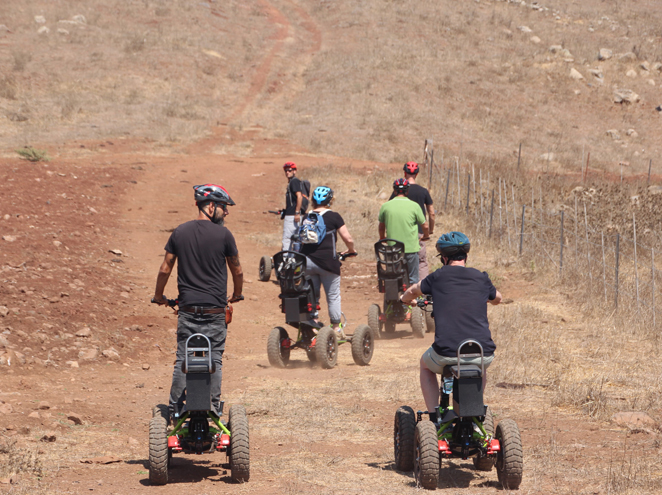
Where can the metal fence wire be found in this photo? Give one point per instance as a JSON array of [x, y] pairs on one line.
[[614, 271]]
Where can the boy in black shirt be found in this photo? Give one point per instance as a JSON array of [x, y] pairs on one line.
[[293, 204], [459, 296]]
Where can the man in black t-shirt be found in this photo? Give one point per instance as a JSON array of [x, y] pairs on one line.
[[418, 194], [459, 296], [204, 247], [294, 200]]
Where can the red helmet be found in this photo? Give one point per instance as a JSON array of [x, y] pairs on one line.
[[291, 165], [212, 192], [411, 168], [401, 185]]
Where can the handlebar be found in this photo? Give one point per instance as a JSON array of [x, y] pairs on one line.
[[423, 303], [275, 212], [343, 257]]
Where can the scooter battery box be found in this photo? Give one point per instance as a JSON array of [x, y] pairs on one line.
[[468, 397], [198, 392]]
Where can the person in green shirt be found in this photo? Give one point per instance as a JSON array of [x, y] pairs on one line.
[[399, 219]]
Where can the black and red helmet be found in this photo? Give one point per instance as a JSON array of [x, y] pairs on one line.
[[411, 168], [290, 165], [401, 186], [212, 192]]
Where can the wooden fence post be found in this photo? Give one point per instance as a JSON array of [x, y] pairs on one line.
[[448, 183], [491, 214], [468, 191], [588, 249], [604, 265], [636, 267], [653, 282], [650, 164], [618, 244], [561, 255], [505, 190], [519, 156], [521, 235]]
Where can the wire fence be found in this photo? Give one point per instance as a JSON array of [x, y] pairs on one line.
[[614, 271]]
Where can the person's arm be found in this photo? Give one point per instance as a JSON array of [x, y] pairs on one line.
[[162, 278], [237, 277], [382, 230], [426, 232], [297, 214], [431, 218], [497, 299], [346, 237], [412, 293]]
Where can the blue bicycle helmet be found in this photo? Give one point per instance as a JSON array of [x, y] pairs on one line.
[[322, 195], [453, 243]]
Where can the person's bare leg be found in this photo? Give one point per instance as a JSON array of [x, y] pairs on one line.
[[429, 387]]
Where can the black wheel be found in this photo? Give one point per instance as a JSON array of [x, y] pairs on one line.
[[510, 458], [373, 320], [389, 326], [161, 411], [158, 451], [239, 451], [279, 356], [403, 438], [426, 455], [429, 321], [485, 463], [417, 322], [363, 345], [326, 347], [266, 265]]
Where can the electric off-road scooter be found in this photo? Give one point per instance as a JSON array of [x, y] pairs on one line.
[[299, 304], [465, 429], [393, 281], [197, 429]]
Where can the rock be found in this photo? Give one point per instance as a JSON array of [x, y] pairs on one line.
[[555, 48], [565, 53], [631, 73], [632, 133], [627, 57], [116, 252], [3, 360], [657, 66], [58, 243], [645, 66], [84, 332], [575, 74], [34, 414], [49, 437], [4, 311], [6, 408], [535, 40], [40, 19], [633, 419], [79, 18], [43, 30], [136, 328], [651, 82], [44, 405], [597, 73], [146, 366], [72, 364], [111, 354], [525, 29], [75, 419], [614, 134], [62, 31], [87, 355], [634, 200], [605, 54], [625, 96], [9, 238], [654, 190]]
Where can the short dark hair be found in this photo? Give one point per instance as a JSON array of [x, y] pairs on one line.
[[458, 257]]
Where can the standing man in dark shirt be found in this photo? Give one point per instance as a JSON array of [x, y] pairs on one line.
[[293, 204], [420, 195], [459, 295], [203, 247]]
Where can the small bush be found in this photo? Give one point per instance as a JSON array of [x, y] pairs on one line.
[[33, 155]]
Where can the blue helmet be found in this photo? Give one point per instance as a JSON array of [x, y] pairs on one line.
[[453, 243], [322, 195]]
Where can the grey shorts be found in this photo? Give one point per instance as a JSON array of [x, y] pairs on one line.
[[436, 363]]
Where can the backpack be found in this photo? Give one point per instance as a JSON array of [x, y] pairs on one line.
[[313, 228]]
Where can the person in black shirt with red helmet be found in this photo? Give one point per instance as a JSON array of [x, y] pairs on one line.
[[203, 247], [419, 194]]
